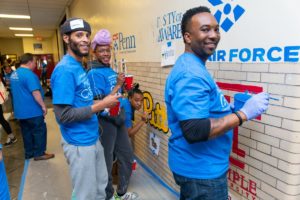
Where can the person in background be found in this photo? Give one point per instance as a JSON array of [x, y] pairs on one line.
[[105, 81], [131, 104], [75, 110], [200, 118], [4, 190], [17, 65], [7, 73], [30, 109], [11, 138], [44, 71]]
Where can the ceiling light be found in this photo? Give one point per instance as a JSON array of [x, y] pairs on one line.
[[24, 35], [20, 29], [15, 16]]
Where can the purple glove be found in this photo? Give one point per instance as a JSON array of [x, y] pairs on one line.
[[256, 105]]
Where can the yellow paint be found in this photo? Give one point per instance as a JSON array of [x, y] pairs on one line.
[[158, 113]]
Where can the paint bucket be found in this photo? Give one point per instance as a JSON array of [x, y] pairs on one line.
[[240, 99]]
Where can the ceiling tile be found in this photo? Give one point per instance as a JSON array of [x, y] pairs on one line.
[[45, 15]]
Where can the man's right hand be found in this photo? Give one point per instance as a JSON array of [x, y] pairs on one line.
[[1, 155], [256, 105], [44, 110], [109, 101]]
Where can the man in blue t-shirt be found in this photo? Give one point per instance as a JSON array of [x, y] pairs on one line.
[[30, 109], [75, 113], [200, 119]]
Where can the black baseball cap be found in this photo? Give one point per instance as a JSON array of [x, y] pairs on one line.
[[75, 24]]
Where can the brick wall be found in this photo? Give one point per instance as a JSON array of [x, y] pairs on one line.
[[271, 144], [152, 77]]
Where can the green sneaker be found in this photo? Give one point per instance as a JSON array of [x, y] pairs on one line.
[[73, 197], [115, 197]]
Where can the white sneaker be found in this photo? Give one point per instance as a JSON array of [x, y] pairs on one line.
[[10, 141], [130, 196]]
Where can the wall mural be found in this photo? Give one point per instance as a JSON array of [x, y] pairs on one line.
[[158, 113]]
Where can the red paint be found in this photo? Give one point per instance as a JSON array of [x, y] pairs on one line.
[[235, 145], [239, 87], [241, 185]]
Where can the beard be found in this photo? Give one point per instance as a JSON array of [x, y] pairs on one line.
[[202, 52], [74, 47]]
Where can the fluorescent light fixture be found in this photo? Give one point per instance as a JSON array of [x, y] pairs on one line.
[[20, 29], [15, 16], [24, 35]]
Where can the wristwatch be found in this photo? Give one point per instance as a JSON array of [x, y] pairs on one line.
[[240, 118]]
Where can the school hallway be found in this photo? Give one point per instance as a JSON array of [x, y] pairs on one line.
[[49, 180]]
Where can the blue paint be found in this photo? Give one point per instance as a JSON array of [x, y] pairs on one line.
[[273, 98], [26, 164], [154, 175]]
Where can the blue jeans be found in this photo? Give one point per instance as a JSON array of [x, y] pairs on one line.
[[34, 132], [202, 189]]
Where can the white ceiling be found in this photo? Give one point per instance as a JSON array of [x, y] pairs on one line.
[[45, 16]]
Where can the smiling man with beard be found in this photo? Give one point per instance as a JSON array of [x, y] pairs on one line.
[[75, 113], [200, 118]]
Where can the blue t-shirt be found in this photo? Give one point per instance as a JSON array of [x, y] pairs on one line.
[[4, 190], [7, 76], [191, 93], [102, 80], [23, 82], [70, 86], [128, 112]]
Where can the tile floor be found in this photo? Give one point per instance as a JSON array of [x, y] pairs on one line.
[[49, 180], [13, 158]]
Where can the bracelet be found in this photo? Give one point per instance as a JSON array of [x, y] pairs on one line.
[[239, 116]]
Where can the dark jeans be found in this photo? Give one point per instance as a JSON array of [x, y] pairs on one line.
[[202, 189], [44, 78], [4, 122], [115, 141], [34, 132]]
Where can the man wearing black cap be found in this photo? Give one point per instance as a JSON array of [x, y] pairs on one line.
[[75, 112]]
